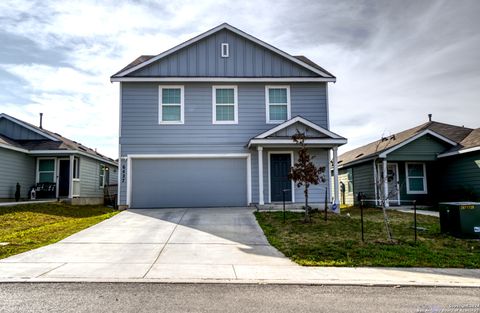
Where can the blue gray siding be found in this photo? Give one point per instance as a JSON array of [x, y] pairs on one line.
[[203, 59], [17, 132], [15, 167], [90, 177], [141, 132]]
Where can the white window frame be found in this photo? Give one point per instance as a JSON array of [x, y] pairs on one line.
[[37, 179], [182, 104], [224, 50], [76, 168], [415, 192], [267, 103], [214, 104]]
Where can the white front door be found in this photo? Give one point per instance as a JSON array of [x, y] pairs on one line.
[[393, 183]]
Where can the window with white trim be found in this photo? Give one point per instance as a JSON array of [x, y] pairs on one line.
[[46, 170], [171, 105], [278, 103], [225, 105], [416, 178]]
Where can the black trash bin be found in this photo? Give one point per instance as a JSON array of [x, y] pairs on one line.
[[461, 219]]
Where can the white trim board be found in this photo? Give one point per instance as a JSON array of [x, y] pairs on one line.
[[380, 171], [221, 79], [473, 149], [325, 142], [161, 104], [300, 120], [25, 125], [214, 30], [247, 157], [406, 142], [292, 161], [67, 152]]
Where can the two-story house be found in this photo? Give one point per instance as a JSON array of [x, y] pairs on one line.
[[209, 123]]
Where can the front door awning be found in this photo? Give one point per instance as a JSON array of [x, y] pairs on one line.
[[281, 135]]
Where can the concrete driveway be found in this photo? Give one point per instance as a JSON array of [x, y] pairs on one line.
[[213, 243]]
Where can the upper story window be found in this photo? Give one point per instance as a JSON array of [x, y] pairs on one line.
[[225, 50], [171, 105], [225, 105], [416, 178], [277, 103]]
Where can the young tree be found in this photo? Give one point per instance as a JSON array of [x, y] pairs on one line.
[[304, 172]]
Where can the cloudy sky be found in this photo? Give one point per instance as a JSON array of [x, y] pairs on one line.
[[396, 61]]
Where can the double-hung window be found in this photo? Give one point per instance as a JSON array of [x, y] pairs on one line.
[[225, 105], [103, 176], [416, 178], [278, 103], [171, 105]]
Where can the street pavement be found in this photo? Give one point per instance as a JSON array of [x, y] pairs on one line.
[[139, 297]]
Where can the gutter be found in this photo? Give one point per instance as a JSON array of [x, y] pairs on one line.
[[443, 155]]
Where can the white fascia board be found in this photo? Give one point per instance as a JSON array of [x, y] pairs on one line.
[[56, 152], [406, 142], [13, 148], [222, 79], [214, 30], [18, 122], [328, 142], [443, 155], [303, 121]]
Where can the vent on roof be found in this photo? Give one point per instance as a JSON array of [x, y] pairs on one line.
[[361, 154], [82, 148], [225, 50]]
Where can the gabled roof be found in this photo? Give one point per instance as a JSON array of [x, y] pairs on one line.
[[270, 136], [145, 60], [53, 142], [450, 134], [468, 144]]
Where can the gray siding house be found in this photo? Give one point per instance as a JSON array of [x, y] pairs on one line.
[[208, 123], [56, 166], [429, 163]]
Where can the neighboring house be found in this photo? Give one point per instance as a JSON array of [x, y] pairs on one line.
[[209, 123], [429, 163], [60, 167]]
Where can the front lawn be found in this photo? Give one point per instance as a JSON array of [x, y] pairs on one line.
[[337, 242], [29, 226]]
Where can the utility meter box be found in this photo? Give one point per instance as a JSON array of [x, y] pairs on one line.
[[461, 219]]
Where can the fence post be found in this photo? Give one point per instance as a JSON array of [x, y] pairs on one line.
[[361, 218], [415, 218]]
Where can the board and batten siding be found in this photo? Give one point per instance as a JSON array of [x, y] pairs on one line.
[[425, 148], [17, 132], [203, 58], [16, 167]]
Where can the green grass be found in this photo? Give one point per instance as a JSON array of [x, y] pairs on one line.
[[30, 226], [337, 242]]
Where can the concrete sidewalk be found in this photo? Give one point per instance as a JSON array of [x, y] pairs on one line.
[[196, 245]]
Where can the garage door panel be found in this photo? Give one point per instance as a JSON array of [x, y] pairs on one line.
[[188, 182]]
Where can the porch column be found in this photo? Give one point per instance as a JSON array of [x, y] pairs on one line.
[[70, 180], [335, 178], [260, 176], [385, 183]]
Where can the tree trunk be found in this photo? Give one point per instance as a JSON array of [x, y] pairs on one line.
[[307, 213]]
